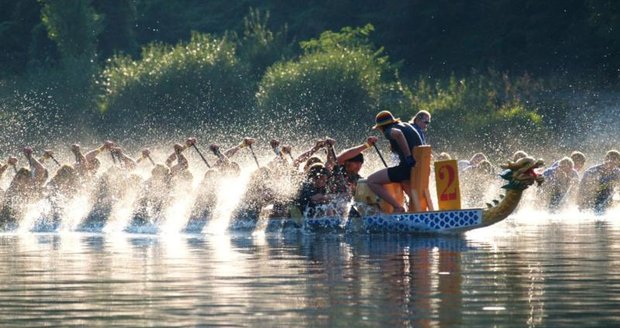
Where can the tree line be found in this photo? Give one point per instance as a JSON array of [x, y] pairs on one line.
[[437, 37], [133, 65]]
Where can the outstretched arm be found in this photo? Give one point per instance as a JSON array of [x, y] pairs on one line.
[[347, 154], [233, 150], [308, 153], [222, 160], [40, 172], [127, 161], [177, 154], [93, 153]]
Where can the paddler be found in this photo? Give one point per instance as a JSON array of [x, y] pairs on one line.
[[402, 137], [599, 182], [348, 165]]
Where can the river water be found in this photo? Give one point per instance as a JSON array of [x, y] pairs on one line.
[[534, 269]]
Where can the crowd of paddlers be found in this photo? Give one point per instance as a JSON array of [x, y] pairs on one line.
[[317, 182], [568, 181], [285, 183]]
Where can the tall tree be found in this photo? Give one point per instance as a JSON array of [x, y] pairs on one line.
[[74, 26]]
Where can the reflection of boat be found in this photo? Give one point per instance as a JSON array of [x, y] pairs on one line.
[[371, 215]]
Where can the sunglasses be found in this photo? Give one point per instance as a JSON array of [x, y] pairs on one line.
[[426, 122]]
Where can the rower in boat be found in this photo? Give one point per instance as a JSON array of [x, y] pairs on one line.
[[599, 183], [88, 164], [420, 122], [345, 174], [158, 191], [313, 192], [25, 188], [473, 162], [206, 198], [180, 171], [258, 194], [116, 183], [403, 138], [560, 179], [61, 188], [476, 181], [11, 162]]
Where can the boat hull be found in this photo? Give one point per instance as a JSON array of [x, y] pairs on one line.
[[432, 221], [453, 221]]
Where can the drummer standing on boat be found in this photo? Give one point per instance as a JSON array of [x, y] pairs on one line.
[[420, 122], [402, 137]]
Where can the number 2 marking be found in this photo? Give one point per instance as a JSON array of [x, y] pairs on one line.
[[445, 195]]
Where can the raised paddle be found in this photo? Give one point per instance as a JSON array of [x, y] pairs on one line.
[[199, 153], [54, 159], [49, 154], [108, 144], [146, 153], [253, 155], [150, 159], [380, 156]]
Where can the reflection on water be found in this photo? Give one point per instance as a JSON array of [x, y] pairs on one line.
[[551, 273]]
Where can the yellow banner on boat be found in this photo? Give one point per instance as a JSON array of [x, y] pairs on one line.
[[447, 182], [420, 174]]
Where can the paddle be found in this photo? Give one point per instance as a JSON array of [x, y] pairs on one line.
[[380, 156], [253, 155], [146, 153], [150, 159], [201, 156], [109, 145], [54, 159], [49, 154]]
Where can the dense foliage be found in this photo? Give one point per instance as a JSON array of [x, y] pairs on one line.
[[438, 37], [217, 64], [340, 79], [492, 111], [200, 81]]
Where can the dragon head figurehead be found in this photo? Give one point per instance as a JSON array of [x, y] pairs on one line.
[[520, 174]]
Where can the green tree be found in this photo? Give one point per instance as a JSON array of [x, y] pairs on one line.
[[340, 78], [189, 85], [74, 26]]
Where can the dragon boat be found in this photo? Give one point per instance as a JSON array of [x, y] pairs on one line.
[[370, 214]]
